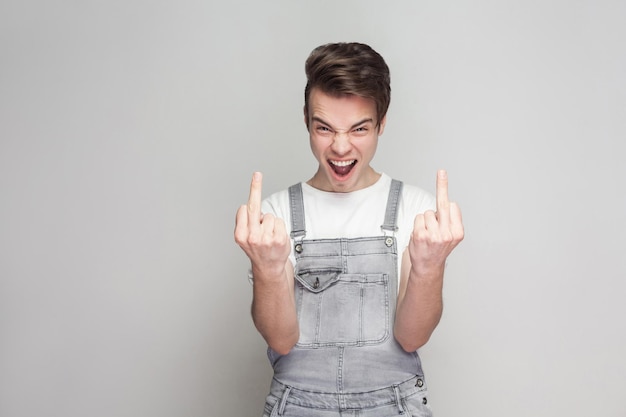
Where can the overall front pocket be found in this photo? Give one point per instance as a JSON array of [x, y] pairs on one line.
[[336, 309]]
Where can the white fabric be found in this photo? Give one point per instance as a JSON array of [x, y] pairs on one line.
[[356, 214]]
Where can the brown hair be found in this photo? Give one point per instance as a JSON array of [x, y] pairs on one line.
[[342, 69]]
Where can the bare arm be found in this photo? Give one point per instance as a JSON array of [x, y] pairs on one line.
[[419, 306], [274, 311], [434, 237], [264, 239]]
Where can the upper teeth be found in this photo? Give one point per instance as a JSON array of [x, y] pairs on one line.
[[342, 163]]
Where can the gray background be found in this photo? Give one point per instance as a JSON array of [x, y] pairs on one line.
[[129, 131]]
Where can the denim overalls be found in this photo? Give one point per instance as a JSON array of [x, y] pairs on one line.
[[347, 361]]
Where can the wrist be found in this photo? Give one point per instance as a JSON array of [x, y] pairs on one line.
[[427, 272], [268, 273]]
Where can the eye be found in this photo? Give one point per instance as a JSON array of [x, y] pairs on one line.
[[361, 130], [322, 129]]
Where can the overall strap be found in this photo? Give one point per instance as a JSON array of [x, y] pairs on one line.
[[391, 214], [296, 205]]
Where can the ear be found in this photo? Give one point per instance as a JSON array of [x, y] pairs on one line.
[[381, 126]]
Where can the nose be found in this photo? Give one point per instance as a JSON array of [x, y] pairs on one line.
[[341, 143]]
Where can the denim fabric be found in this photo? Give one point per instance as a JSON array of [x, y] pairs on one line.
[[346, 362], [342, 293], [409, 399]]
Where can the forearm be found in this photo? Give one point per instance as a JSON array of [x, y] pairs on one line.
[[435, 235], [274, 311], [419, 309]]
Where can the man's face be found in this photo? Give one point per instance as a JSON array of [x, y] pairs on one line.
[[343, 136]]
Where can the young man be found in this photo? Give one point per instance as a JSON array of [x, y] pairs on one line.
[[347, 267]]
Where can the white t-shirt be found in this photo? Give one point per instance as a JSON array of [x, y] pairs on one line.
[[357, 214]]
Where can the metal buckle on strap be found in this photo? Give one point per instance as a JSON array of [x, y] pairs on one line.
[[390, 234], [298, 238]]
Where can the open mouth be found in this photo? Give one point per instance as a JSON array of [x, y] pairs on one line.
[[342, 168]]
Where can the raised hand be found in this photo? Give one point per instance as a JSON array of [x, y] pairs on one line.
[[262, 237], [436, 234]]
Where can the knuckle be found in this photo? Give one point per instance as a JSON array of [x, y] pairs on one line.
[[253, 240], [421, 236], [240, 235], [282, 240], [447, 237]]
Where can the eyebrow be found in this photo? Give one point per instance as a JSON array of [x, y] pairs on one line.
[[362, 122]]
